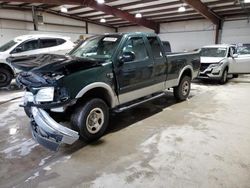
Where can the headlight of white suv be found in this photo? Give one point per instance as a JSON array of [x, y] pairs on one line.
[[45, 94]]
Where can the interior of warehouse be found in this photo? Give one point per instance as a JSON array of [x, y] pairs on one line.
[[115, 93]]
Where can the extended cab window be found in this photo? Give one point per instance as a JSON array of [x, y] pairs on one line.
[[155, 46], [26, 46], [46, 43], [137, 46]]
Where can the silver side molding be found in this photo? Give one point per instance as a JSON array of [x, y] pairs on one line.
[[113, 96]]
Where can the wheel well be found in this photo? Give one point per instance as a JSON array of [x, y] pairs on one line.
[[100, 93], [187, 72], [5, 66]]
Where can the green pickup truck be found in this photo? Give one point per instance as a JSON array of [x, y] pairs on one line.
[[109, 72]]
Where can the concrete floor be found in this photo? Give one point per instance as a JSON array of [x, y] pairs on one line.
[[202, 142]]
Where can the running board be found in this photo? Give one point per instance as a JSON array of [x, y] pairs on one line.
[[121, 109]]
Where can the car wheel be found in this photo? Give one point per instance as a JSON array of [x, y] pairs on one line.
[[91, 119], [5, 77], [224, 78], [181, 92]]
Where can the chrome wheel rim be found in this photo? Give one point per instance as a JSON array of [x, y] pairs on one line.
[[95, 120], [185, 88]]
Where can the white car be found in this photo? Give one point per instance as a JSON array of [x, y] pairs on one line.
[[29, 45], [217, 61]]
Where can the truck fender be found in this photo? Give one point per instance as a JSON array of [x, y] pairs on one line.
[[102, 85], [187, 68]]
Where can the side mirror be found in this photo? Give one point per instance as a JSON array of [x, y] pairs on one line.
[[126, 57], [235, 55]]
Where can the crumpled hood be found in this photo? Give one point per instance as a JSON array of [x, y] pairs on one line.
[[211, 59], [50, 63]]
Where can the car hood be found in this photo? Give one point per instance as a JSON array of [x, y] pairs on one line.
[[211, 59], [51, 63]]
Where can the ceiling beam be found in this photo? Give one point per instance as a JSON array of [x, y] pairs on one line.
[[203, 10], [99, 7], [122, 14], [140, 9], [13, 7]]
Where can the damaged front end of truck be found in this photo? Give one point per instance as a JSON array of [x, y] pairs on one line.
[[46, 93]]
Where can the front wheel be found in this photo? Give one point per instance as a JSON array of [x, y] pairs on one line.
[[91, 119], [224, 78], [181, 92], [5, 77]]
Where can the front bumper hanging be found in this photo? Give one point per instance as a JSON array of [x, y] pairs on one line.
[[47, 132]]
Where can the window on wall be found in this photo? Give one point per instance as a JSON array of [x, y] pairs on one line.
[[155, 46], [137, 46]]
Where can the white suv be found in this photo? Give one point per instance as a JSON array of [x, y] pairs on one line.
[[29, 45]]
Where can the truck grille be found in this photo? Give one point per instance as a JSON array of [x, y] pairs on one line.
[[204, 66]]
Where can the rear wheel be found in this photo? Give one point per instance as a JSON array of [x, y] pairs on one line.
[[224, 78], [5, 77], [91, 119], [181, 92]]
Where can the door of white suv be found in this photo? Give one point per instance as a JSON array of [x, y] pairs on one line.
[[239, 63]]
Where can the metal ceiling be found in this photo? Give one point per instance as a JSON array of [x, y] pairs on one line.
[[153, 11]]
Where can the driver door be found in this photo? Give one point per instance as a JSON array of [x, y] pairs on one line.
[[135, 77]]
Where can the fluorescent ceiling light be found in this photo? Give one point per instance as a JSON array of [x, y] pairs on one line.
[[100, 1], [181, 9], [138, 15], [246, 1], [64, 9], [102, 20]]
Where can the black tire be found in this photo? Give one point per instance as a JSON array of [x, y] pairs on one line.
[[224, 78], [5, 77], [91, 119], [235, 75], [181, 92]]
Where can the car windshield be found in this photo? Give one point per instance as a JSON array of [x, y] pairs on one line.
[[213, 52], [101, 47], [7, 46]]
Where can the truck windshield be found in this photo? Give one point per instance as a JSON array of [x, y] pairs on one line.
[[213, 52], [101, 47], [7, 46]]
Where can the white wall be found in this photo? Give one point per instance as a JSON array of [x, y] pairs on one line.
[[188, 35], [236, 32], [98, 29], [134, 29], [22, 25]]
